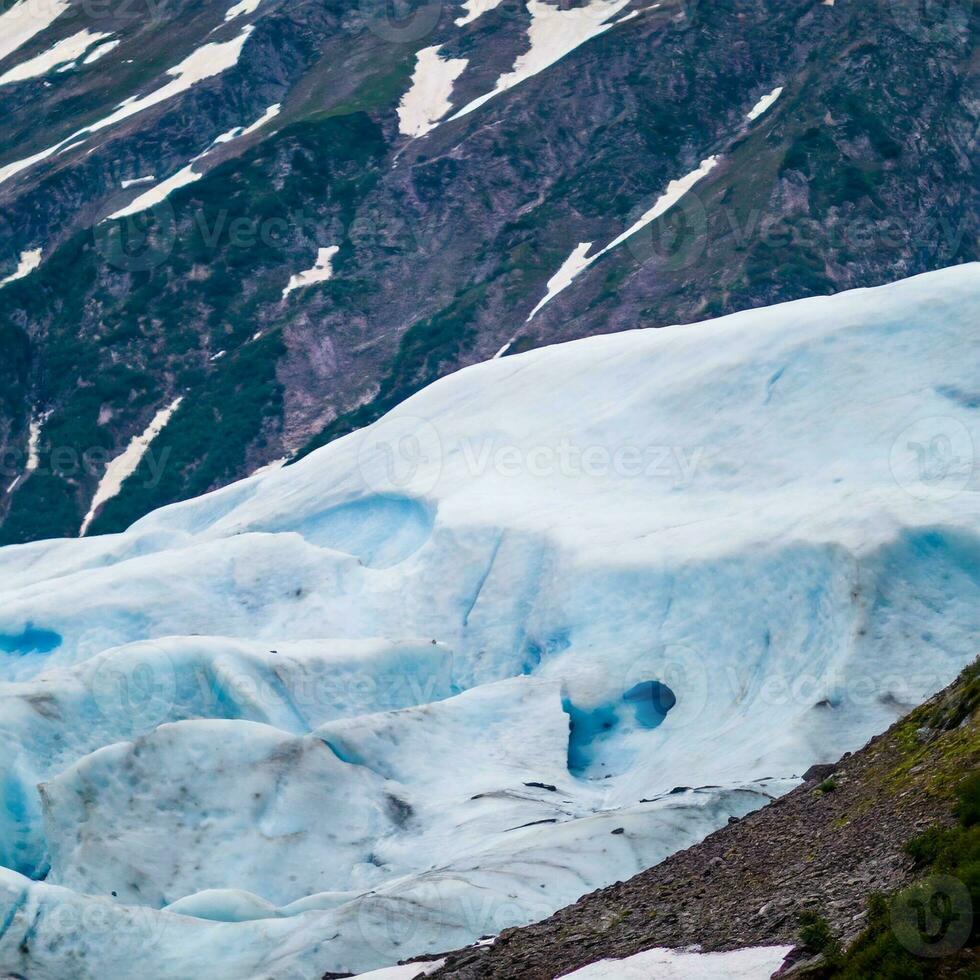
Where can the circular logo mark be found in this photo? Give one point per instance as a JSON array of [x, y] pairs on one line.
[[401, 21], [400, 454], [682, 672], [135, 242], [933, 458], [135, 687], [676, 239], [934, 918]]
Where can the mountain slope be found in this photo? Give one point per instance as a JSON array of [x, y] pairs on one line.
[[442, 676], [826, 846], [861, 171]]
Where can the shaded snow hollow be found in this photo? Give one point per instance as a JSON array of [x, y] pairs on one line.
[[554, 618]]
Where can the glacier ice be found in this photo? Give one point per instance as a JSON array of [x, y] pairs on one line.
[[552, 619]]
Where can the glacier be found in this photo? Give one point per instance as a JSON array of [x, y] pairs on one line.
[[554, 618]]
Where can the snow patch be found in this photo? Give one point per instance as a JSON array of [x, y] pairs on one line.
[[67, 49], [242, 9], [154, 196], [206, 62], [570, 268], [409, 971], [554, 32], [186, 175], [756, 963], [427, 99], [101, 51], [33, 452], [137, 181], [266, 117], [764, 104], [676, 189], [321, 271], [579, 260], [475, 9], [19, 23], [627, 17], [29, 261], [125, 464]]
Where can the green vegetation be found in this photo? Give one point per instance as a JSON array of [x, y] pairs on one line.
[[205, 440], [219, 282], [929, 929], [827, 786], [817, 937], [425, 349]]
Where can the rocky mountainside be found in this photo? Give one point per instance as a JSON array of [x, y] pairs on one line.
[[241, 230], [823, 849]]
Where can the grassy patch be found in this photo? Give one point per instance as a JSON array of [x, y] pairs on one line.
[[927, 930]]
